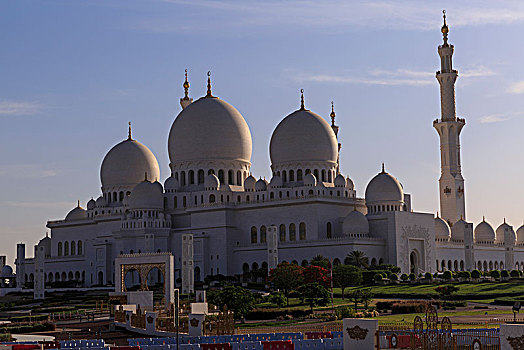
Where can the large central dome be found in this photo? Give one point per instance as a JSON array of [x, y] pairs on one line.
[[209, 129], [303, 136]]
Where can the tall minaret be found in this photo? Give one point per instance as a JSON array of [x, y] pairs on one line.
[[451, 182], [186, 100], [335, 130]]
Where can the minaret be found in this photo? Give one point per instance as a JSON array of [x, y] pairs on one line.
[[335, 130], [451, 182], [186, 100]]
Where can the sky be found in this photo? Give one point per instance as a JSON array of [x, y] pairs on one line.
[[73, 73]]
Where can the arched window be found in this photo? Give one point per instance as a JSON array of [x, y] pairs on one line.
[[184, 201], [239, 178], [373, 262], [200, 176], [284, 177], [197, 274], [302, 231], [210, 171], [282, 232], [183, 178], [299, 175], [291, 175], [230, 179], [64, 276], [263, 234], [253, 234], [211, 198], [308, 171], [100, 278], [323, 175], [330, 177], [73, 248], [254, 266], [77, 276], [121, 196], [328, 230], [165, 203], [221, 176], [66, 248], [271, 195], [304, 263], [59, 248], [191, 175], [315, 172], [175, 202], [292, 232], [245, 268], [57, 277]]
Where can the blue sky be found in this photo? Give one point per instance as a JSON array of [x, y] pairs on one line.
[[74, 73]]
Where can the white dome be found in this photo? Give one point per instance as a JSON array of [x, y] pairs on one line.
[[171, 184], [147, 195], [310, 180], [276, 182], [209, 129], [355, 223], [520, 234], [77, 213], [442, 229], [499, 236], [91, 204], [303, 136], [7, 271], [261, 185], [126, 165], [349, 184], [211, 181], [458, 230], [249, 183], [484, 232], [100, 202], [384, 188], [340, 181]]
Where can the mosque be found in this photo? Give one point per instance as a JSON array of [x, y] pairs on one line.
[[240, 224]]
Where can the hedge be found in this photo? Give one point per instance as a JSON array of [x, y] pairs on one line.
[[269, 314]]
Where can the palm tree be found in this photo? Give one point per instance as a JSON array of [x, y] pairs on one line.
[[357, 258], [321, 261]]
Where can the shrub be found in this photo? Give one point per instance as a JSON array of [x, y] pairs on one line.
[[454, 304], [475, 274], [404, 277], [408, 307], [514, 274], [465, 274], [393, 277], [344, 312], [504, 273], [428, 276], [495, 274], [435, 275], [447, 275], [269, 314], [368, 276], [412, 277], [378, 277], [384, 305]]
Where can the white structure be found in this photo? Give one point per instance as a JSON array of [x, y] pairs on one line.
[[212, 197], [188, 283]]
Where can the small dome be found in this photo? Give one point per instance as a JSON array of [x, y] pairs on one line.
[[171, 184], [91, 204], [499, 235], [310, 180], [147, 195], [126, 163], [384, 188], [77, 213], [276, 182], [520, 234], [209, 129], [484, 232], [211, 182], [303, 136], [249, 183], [355, 223], [442, 229], [349, 184], [340, 181], [458, 230], [100, 202], [7, 271], [261, 185]]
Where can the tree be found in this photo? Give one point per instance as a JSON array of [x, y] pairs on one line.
[[287, 277], [446, 291], [237, 299], [393, 277], [475, 274], [357, 258], [314, 294], [495, 274], [346, 276], [363, 296], [504, 273], [404, 277], [514, 274], [320, 261], [378, 277], [317, 274], [412, 277], [277, 298], [428, 276], [447, 275], [355, 297]]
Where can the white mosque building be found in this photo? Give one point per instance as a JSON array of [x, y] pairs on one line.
[[314, 209]]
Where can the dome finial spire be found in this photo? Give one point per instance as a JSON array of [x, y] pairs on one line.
[[445, 29], [437, 214], [383, 168], [78, 203], [129, 131], [186, 87], [145, 176], [209, 84], [302, 107], [332, 115]]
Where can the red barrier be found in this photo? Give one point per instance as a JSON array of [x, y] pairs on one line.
[[318, 335], [223, 346], [278, 344], [402, 341], [25, 346], [50, 344]]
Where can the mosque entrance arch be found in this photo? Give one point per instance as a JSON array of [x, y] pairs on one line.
[[414, 262]]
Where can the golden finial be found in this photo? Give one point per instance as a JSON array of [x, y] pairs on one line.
[[483, 218], [332, 115], [129, 131], [383, 168], [209, 84], [302, 107], [445, 29], [78, 203], [504, 220], [186, 87], [145, 176], [437, 214]]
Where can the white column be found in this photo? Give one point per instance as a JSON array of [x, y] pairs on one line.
[[39, 281], [272, 247], [188, 283]]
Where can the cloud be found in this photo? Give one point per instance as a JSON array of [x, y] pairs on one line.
[[19, 108], [38, 204], [517, 88], [493, 118], [26, 171]]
